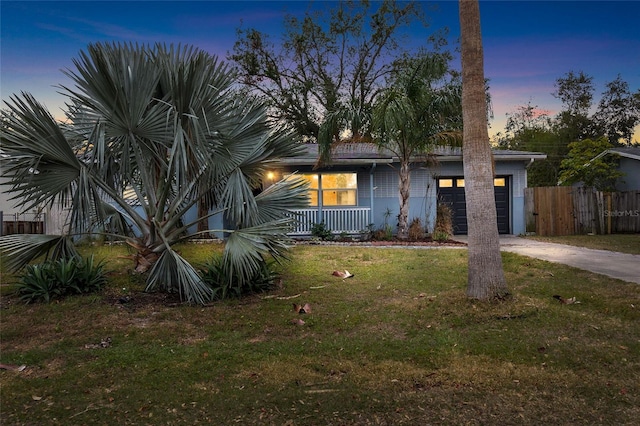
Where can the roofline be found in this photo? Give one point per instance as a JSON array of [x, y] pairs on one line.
[[342, 161], [389, 160], [509, 157], [622, 154]]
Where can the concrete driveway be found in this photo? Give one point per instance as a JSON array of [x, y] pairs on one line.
[[613, 264]]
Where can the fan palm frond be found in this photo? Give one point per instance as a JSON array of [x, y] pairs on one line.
[[153, 131], [280, 198], [19, 249], [245, 248], [37, 158], [172, 273]]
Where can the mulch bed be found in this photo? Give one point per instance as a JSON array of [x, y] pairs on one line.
[[386, 243]]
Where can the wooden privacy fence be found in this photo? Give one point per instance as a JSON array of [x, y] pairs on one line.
[[565, 210]]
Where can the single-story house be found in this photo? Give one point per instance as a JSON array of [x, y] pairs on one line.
[[359, 190]]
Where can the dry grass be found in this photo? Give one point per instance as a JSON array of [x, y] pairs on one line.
[[399, 343]]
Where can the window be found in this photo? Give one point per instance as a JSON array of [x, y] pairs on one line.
[[448, 183], [313, 181], [338, 189]]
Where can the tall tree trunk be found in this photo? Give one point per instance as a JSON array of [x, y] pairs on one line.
[[404, 185], [486, 278]]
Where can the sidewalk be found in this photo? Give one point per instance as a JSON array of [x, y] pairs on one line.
[[613, 264]]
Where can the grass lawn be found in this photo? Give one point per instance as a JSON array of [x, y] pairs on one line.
[[396, 344], [625, 243]]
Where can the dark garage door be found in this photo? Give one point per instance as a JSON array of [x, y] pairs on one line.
[[451, 192]]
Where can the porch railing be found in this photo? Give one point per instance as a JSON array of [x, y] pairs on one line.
[[349, 220], [22, 223]]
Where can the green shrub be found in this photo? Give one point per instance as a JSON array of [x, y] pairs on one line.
[[37, 283], [54, 279], [440, 236], [320, 230], [214, 275], [90, 276]]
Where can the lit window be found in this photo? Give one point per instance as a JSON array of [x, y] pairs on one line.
[[460, 183], [445, 183], [338, 189], [312, 180], [500, 182]]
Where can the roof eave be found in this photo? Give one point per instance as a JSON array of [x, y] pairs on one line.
[[622, 154], [341, 161], [518, 157]]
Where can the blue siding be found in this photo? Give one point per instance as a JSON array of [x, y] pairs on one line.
[[423, 196], [631, 179]]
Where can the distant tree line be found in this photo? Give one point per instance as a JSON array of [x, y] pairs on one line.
[[571, 136]]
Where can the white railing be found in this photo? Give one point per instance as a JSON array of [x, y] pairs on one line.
[[347, 220]]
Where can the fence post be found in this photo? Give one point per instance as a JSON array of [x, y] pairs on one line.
[[529, 208], [609, 211]]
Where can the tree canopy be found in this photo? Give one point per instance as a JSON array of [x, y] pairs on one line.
[[588, 164], [329, 66], [615, 118]]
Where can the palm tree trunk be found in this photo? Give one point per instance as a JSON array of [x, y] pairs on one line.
[[404, 186], [485, 277], [203, 223]]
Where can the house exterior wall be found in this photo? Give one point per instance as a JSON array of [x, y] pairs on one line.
[[423, 195], [387, 203], [54, 217], [631, 179], [517, 174], [382, 181]]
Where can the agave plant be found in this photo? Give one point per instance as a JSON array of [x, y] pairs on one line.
[[152, 132]]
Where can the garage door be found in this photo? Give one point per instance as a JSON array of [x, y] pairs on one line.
[[451, 192]]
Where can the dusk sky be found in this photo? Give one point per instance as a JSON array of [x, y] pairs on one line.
[[527, 44]]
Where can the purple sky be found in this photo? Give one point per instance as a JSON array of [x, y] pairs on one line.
[[528, 44]]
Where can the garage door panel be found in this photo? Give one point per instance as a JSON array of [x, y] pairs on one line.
[[454, 197]]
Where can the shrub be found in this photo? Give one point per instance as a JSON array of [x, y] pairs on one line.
[[416, 230], [440, 236], [444, 223], [90, 276], [320, 230], [58, 278], [384, 233], [37, 284], [224, 286]]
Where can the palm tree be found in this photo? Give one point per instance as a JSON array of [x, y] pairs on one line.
[[419, 110], [485, 277], [348, 122], [152, 132]]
